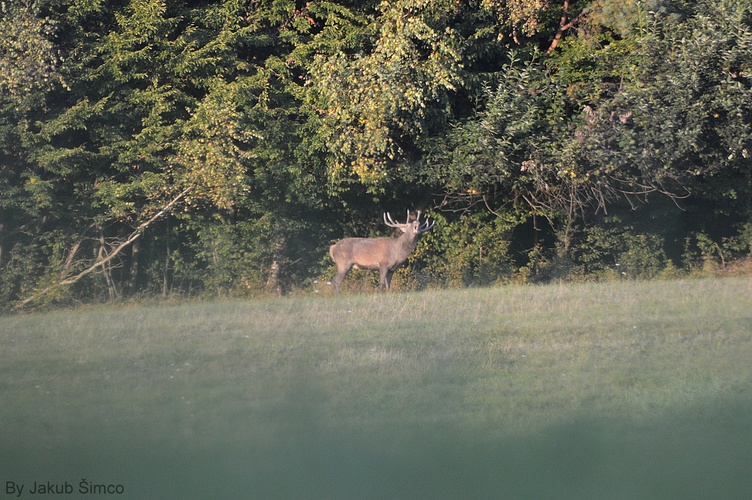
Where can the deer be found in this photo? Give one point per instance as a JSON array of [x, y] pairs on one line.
[[378, 254]]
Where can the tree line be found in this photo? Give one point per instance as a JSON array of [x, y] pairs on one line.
[[218, 147]]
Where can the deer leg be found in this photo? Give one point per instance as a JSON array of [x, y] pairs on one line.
[[383, 285], [385, 280], [341, 272]]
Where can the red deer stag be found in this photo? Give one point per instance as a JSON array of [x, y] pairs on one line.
[[382, 254]]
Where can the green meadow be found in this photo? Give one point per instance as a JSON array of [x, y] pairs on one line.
[[613, 390]]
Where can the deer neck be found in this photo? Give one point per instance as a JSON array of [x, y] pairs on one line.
[[407, 243]]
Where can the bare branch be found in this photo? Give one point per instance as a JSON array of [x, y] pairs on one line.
[[102, 261], [564, 24]]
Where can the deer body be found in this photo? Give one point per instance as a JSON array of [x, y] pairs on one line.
[[377, 254]]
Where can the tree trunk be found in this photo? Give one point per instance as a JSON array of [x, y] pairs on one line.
[[2, 246], [166, 274], [106, 268], [134, 267], [272, 284]]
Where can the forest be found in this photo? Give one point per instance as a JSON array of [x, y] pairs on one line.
[[211, 148]]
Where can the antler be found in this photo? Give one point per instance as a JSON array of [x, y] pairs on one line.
[[426, 225], [390, 222], [422, 226]]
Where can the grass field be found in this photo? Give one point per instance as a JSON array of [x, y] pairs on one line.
[[616, 390]]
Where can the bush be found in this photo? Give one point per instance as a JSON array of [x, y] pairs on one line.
[[612, 250], [472, 250]]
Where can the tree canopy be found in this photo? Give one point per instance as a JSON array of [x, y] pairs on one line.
[[218, 147]]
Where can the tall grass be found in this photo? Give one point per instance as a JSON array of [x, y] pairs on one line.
[[617, 390]]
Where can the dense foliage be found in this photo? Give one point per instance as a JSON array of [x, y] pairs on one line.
[[219, 147]]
